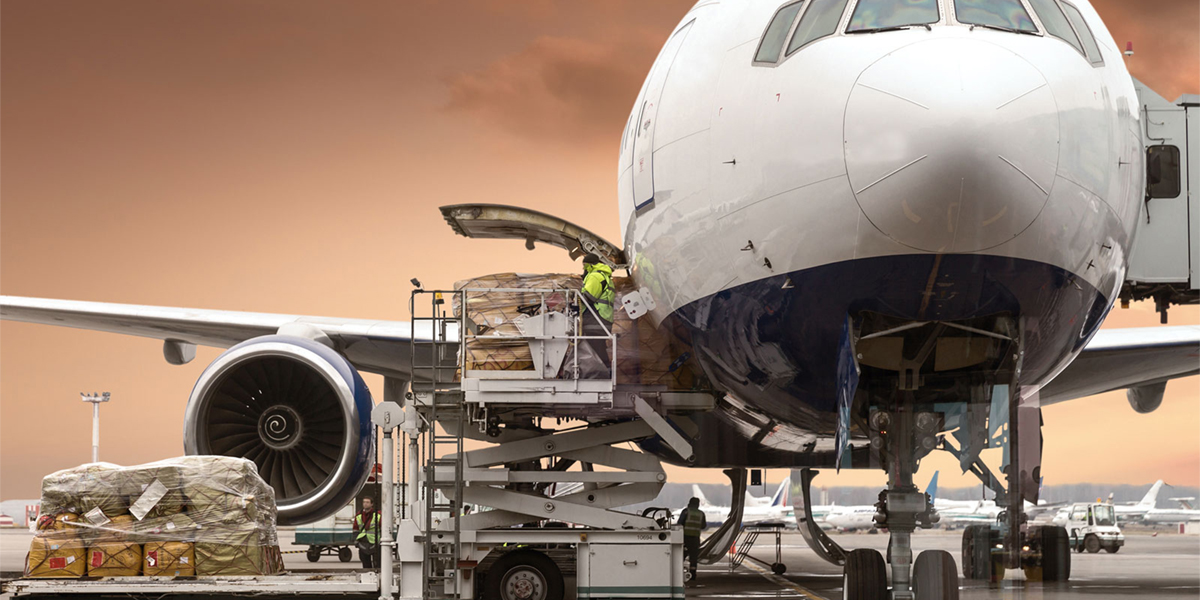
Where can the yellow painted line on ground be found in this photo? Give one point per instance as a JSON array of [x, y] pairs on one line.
[[782, 581]]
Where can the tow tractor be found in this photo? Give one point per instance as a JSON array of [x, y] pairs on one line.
[[1092, 527]]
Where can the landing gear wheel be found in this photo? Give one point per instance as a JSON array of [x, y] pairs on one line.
[[864, 576], [1052, 554], [345, 554], [524, 575], [780, 569], [978, 562], [935, 576], [1091, 543], [313, 554]]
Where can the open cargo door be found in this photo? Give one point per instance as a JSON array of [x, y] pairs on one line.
[[498, 221]]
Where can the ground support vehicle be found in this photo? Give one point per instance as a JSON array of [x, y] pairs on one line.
[[1093, 527]]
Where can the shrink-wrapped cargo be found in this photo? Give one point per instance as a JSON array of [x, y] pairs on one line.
[[237, 550], [114, 559], [169, 559], [646, 354], [112, 490], [177, 514], [56, 553]]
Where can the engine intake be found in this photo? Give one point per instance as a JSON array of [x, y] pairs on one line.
[[295, 407]]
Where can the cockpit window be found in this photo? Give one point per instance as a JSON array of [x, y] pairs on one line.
[[1004, 14], [1085, 33], [820, 20], [772, 42], [876, 15], [1055, 22]]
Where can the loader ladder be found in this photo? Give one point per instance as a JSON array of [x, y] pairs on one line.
[[746, 543], [437, 393]]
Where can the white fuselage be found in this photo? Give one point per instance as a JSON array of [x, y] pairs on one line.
[[761, 204]]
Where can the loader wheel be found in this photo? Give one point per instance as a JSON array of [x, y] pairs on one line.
[[524, 575]]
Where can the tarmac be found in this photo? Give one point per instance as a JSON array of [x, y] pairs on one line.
[[1163, 567]]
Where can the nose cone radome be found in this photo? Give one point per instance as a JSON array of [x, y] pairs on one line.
[[951, 145]]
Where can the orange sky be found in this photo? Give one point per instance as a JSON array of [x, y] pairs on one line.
[[289, 156]]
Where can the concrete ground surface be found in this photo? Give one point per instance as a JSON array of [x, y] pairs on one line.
[[1166, 567]]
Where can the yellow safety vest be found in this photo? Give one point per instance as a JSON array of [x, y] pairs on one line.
[[368, 529], [693, 523], [598, 289]]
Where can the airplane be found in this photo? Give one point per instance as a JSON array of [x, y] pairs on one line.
[[1184, 513], [777, 511], [773, 510], [880, 227], [852, 518], [1138, 511]]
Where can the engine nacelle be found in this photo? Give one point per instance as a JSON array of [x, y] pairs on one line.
[[1145, 399], [295, 407]]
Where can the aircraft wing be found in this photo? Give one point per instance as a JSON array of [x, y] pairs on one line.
[[373, 346], [1139, 358]]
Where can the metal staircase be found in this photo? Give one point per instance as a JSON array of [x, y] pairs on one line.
[[746, 543], [435, 368]]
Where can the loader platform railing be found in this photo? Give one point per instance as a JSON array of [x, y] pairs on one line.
[[564, 366]]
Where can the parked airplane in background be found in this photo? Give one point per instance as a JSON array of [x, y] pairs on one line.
[[874, 222], [1184, 513], [1137, 511], [852, 518], [773, 510], [777, 511]]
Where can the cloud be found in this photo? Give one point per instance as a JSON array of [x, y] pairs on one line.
[[564, 90]]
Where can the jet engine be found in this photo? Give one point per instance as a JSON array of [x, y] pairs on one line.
[[295, 407]]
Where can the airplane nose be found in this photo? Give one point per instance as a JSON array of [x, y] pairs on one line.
[[951, 145]]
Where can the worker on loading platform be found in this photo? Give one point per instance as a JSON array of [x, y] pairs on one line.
[[366, 525], [599, 293], [693, 522]]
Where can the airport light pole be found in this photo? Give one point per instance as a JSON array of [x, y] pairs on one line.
[[95, 399]]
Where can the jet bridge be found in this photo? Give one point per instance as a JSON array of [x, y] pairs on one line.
[[1165, 257], [485, 467]]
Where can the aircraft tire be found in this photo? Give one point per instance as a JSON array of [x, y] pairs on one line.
[[1056, 553], [976, 552], [865, 576], [935, 576]]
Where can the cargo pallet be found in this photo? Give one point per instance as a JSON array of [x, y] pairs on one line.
[[287, 584]]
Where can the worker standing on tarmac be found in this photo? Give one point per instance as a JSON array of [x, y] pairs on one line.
[[366, 525], [693, 522], [599, 293]]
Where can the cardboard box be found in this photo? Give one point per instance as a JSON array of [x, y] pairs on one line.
[[56, 554], [114, 559], [169, 559]]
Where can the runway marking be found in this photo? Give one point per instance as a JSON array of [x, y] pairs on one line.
[[783, 581]]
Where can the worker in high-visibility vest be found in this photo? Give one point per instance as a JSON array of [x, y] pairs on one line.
[[600, 295], [693, 522], [366, 525]]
